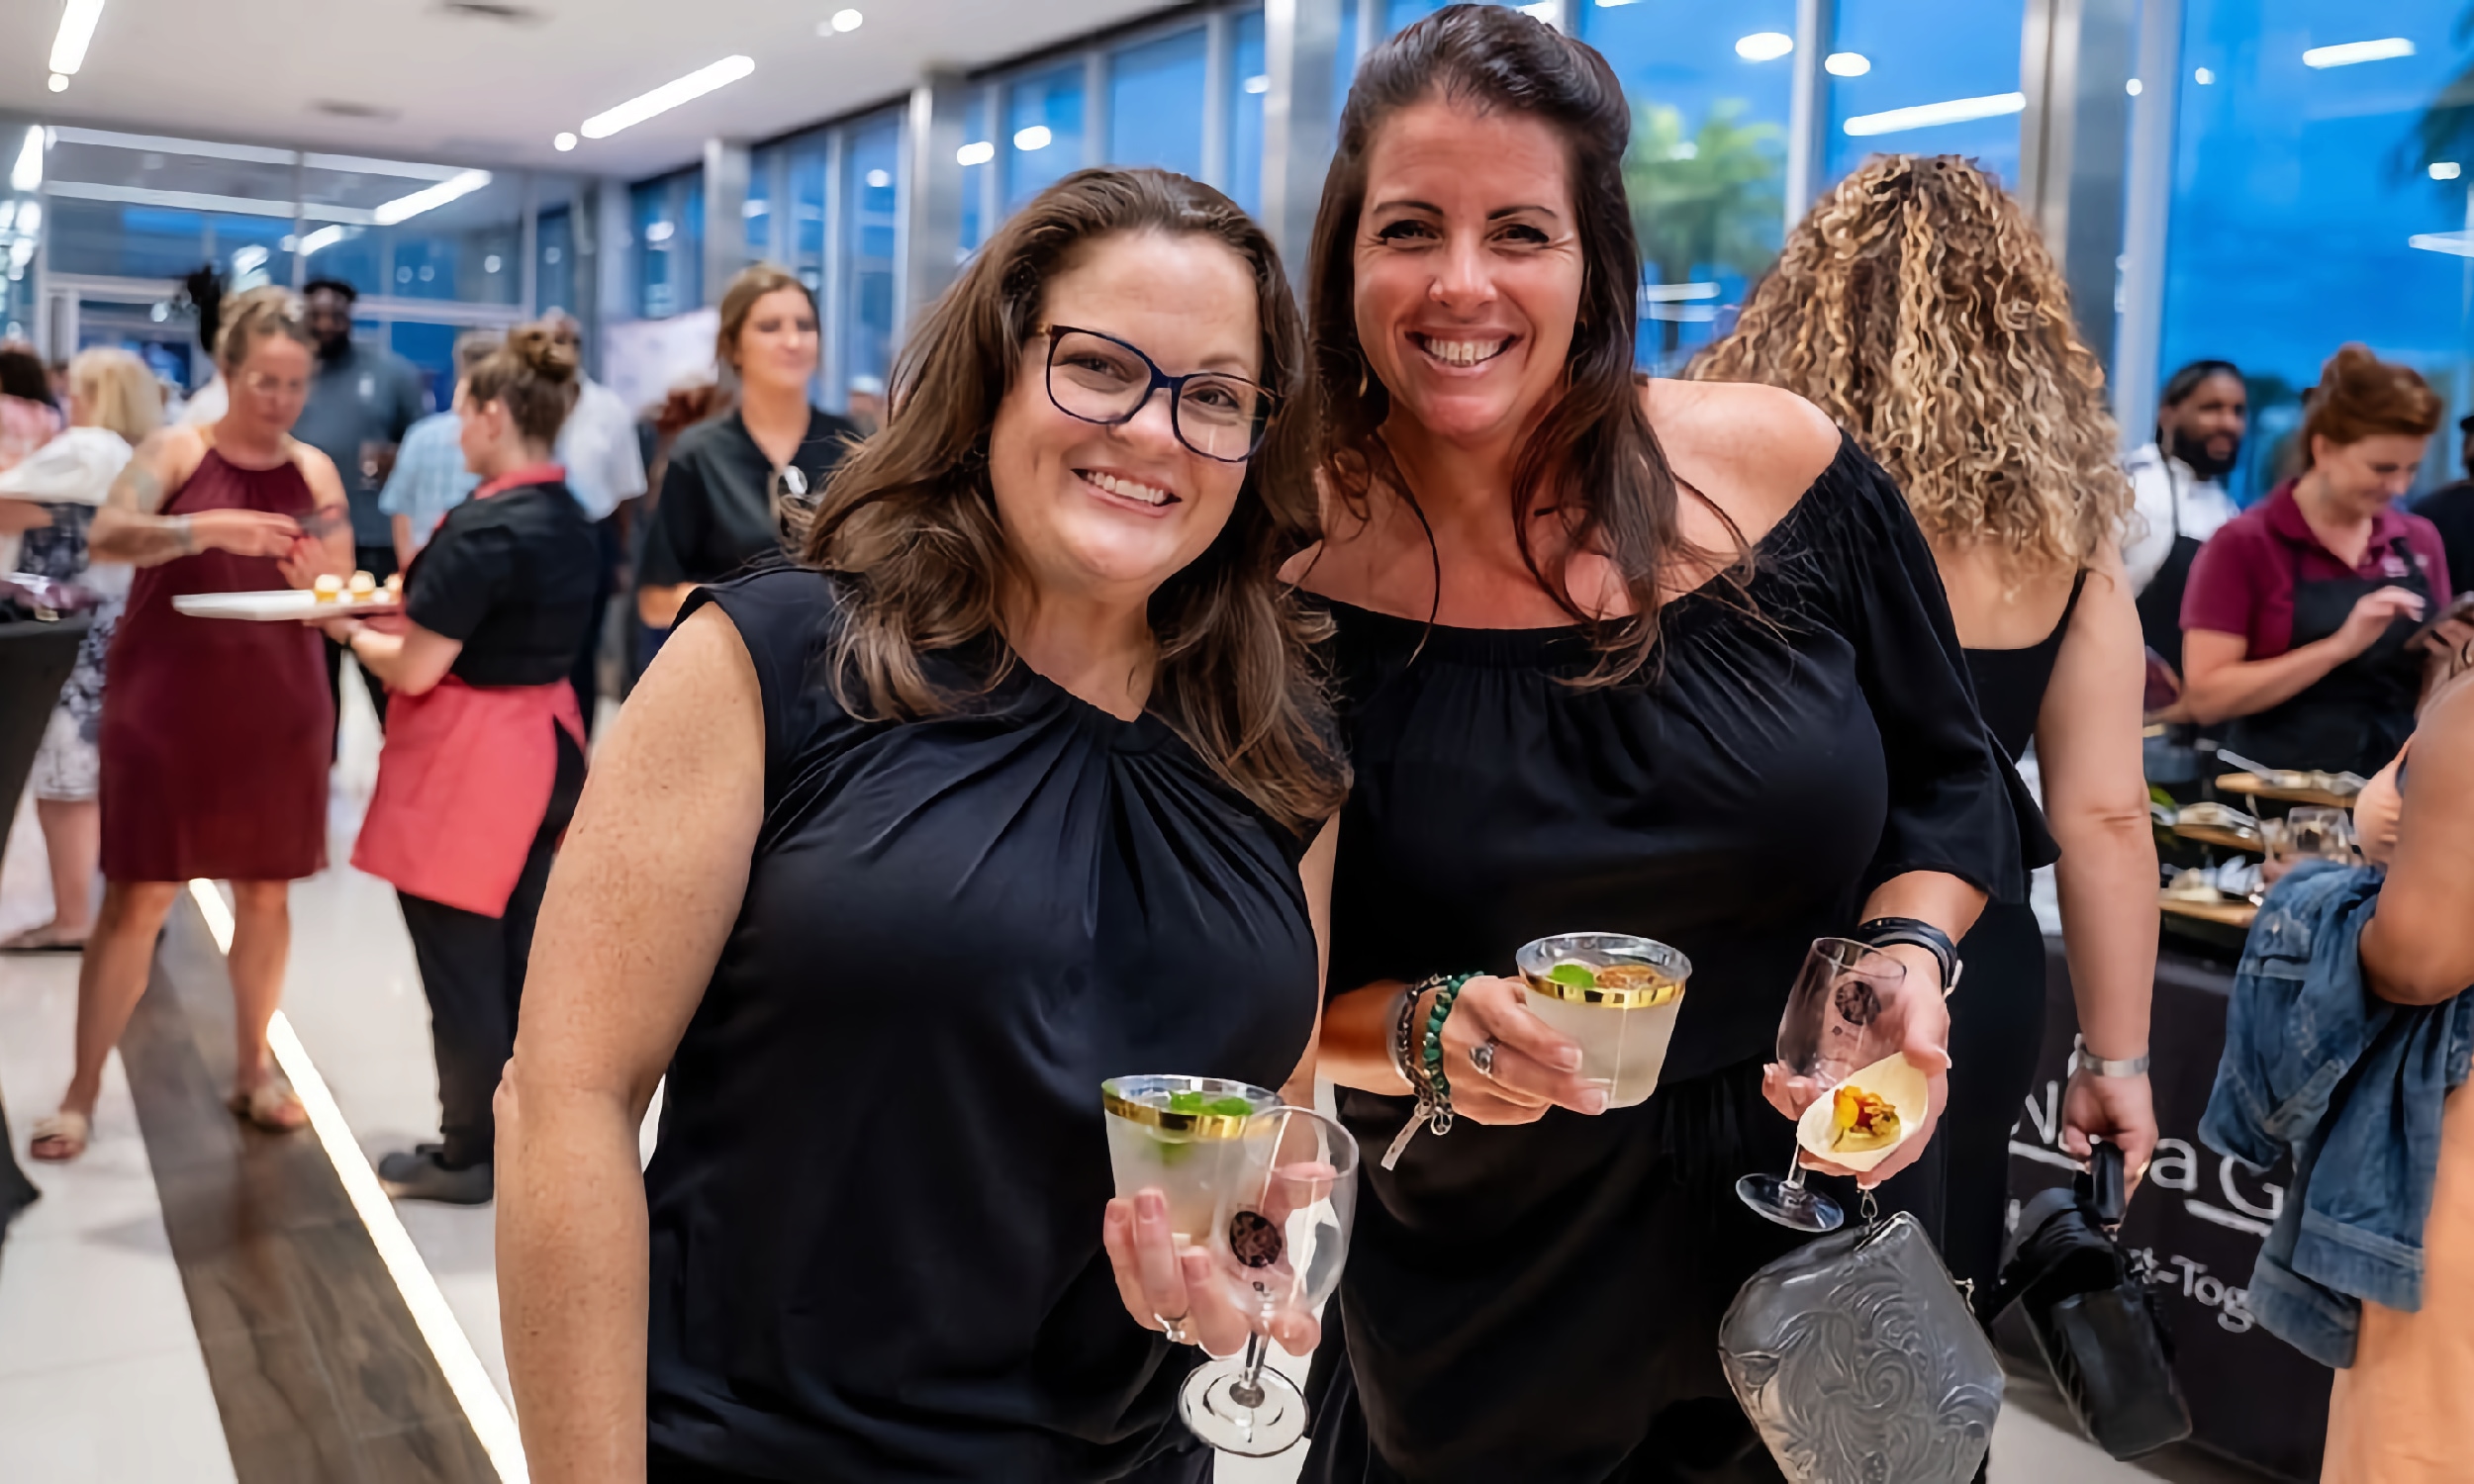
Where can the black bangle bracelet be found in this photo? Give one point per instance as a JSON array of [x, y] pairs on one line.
[[1404, 1042], [1885, 932]]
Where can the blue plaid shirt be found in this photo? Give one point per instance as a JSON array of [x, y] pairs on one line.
[[429, 477]]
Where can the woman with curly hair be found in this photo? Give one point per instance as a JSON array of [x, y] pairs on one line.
[[1918, 306]]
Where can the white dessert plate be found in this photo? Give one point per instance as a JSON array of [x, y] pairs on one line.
[[279, 605]]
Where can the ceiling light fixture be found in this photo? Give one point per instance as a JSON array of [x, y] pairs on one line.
[[69, 45], [1035, 137], [1847, 64], [27, 175], [2445, 169], [879, 180], [60, 82], [2454, 244], [563, 141], [1925, 114], [2133, 87], [1765, 45], [2343, 55], [1259, 82], [2203, 77], [846, 19], [668, 96], [403, 207], [976, 152]]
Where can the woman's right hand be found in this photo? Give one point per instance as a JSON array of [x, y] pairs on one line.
[[1535, 1067], [1162, 1284], [253, 533], [2372, 614]]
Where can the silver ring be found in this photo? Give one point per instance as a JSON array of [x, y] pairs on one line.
[[1481, 1056], [1174, 1330]]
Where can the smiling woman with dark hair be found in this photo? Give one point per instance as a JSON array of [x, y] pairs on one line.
[[1020, 784], [1642, 657]]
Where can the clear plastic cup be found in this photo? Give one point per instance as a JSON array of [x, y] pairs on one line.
[[1615, 995], [1186, 1136]]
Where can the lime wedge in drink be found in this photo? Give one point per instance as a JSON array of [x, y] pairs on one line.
[[1575, 975]]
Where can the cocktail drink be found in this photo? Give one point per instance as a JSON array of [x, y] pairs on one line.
[[1187, 1137], [1615, 995]]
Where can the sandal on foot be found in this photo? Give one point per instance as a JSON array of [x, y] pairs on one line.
[[45, 939], [270, 1105], [66, 1133]]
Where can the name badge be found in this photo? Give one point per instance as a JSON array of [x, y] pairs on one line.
[[2393, 565]]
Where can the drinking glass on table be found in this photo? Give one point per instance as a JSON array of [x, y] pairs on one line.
[[1279, 1239], [1837, 1022], [2316, 832]]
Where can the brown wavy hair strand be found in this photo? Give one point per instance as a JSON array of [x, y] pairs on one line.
[[910, 520], [1594, 458], [1919, 308]]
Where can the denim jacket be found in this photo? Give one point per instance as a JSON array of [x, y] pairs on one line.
[[2351, 1087]]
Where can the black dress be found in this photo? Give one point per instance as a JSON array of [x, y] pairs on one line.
[[1997, 1020], [1541, 1303], [720, 513], [875, 1204]]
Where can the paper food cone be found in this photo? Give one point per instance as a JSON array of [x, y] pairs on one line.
[[1894, 1078]]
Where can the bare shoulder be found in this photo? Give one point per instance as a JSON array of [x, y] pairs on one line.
[[163, 462], [324, 481], [1752, 449]]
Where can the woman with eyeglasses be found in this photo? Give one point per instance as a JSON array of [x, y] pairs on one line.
[[1018, 781], [731, 482], [215, 732]]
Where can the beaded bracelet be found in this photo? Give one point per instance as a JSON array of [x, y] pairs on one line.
[[1433, 1087], [1404, 1042]]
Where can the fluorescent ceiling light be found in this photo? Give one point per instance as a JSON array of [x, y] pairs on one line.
[[1765, 45], [1847, 64], [1036, 136], [323, 239], [2346, 53], [404, 207], [27, 174], [1670, 293], [2454, 244], [2445, 169], [668, 96], [30, 216], [976, 152], [68, 47], [1925, 114]]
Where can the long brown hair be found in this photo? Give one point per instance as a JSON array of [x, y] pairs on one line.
[[1917, 305], [1594, 458], [910, 520]]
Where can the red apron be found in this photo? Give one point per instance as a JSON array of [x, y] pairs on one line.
[[464, 780]]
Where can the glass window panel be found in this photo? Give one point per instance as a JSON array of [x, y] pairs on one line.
[[1043, 130], [133, 241], [979, 132], [1400, 13], [554, 271], [1155, 103], [1708, 162], [1244, 110], [2305, 210], [253, 251], [163, 343], [1344, 59], [1959, 63], [807, 159], [668, 217], [350, 254], [867, 248], [431, 349], [757, 210]]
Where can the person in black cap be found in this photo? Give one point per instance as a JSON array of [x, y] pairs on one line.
[[2451, 508]]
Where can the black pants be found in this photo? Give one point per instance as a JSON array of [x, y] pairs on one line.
[[1997, 1034], [472, 968], [378, 562], [587, 675]]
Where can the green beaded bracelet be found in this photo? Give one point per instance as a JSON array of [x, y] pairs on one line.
[[1430, 1053]]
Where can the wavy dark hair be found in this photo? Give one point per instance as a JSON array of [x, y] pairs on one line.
[[909, 518], [1594, 458]]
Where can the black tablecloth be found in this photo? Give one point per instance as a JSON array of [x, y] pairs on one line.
[[2200, 1217], [35, 660]]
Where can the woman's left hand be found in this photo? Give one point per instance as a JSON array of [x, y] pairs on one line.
[[307, 561], [1920, 1019]]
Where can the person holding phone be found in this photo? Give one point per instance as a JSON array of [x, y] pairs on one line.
[[2304, 626]]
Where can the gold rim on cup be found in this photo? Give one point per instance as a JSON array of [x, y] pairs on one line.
[[1198, 1126]]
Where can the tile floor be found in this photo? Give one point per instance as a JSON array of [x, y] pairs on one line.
[[92, 1312]]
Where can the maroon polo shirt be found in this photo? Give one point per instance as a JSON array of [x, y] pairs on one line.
[[2243, 582]]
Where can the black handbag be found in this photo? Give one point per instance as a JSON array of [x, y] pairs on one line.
[[2092, 1314]]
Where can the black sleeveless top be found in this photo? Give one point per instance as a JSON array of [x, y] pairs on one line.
[[1737, 802], [876, 1200], [2010, 683]]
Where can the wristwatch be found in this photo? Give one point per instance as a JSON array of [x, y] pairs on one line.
[[2080, 1061], [1889, 931]]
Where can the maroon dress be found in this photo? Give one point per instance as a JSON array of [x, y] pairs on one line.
[[216, 732]]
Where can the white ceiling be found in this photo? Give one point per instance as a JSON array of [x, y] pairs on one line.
[[464, 90]]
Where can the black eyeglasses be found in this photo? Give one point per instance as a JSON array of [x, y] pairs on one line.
[[1101, 379]]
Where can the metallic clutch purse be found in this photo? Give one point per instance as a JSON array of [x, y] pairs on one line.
[[1860, 1362]]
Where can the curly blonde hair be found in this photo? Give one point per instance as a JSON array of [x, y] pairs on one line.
[[1919, 308]]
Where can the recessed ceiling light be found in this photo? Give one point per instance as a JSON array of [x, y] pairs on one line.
[[879, 179], [1847, 64], [668, 96], [846, 19], [60, 82], [1259, 82], [2202, 78], [1765, 45], [1036, 136], [563, 141], [976, 152], [2133, 87]]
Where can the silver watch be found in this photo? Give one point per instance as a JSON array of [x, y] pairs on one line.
[[2080, 1061]]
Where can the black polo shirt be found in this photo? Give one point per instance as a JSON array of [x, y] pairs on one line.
[[512, 576], [717, 515], [2451, 508]]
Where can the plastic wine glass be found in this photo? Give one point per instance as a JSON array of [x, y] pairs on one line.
[[1279, 1243], [1837, 1023]]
